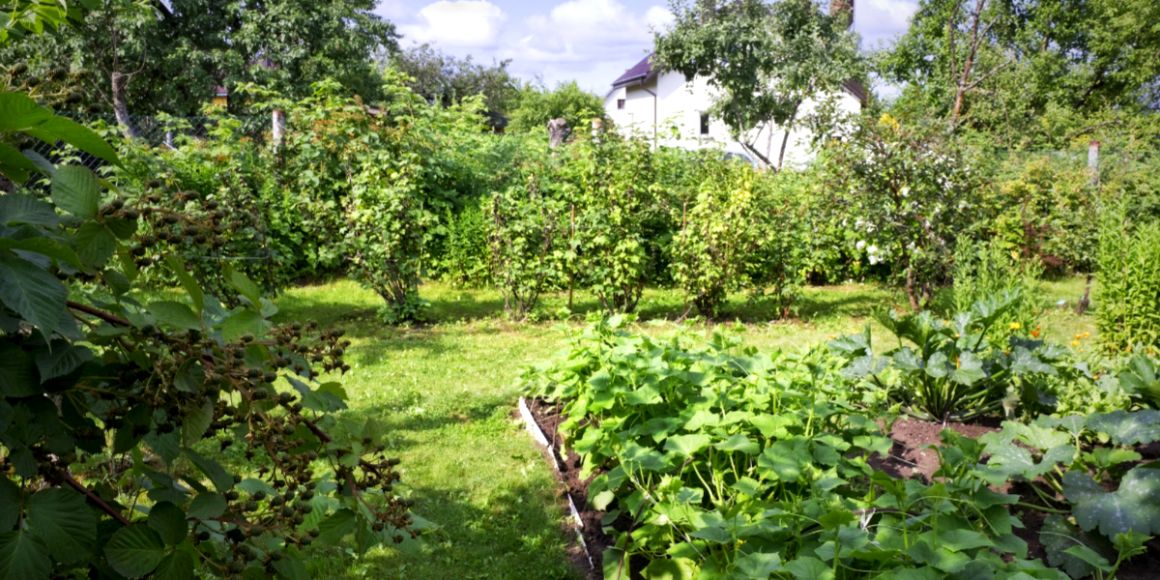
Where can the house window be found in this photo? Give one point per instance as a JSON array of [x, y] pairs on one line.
[[704, 123], [620, 104]]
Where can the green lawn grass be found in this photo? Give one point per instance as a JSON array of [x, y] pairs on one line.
[[448, 390]]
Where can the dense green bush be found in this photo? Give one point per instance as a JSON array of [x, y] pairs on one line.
[[527, 223], [985, 270], [959, 370], [218, 219], [1128, 294], [144, 436], [1045, 207], [730, 238], [911, 192], [612, 190]]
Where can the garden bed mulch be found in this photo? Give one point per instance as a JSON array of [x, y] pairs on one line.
[[588, 557], [910, 456]]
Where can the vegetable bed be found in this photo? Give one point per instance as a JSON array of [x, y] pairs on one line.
[[711, 460]]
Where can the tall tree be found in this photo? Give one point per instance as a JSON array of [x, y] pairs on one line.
[[998, 65], [445, 79], [167, 56], [765, 59]]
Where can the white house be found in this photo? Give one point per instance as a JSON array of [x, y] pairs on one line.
[[670, 110]]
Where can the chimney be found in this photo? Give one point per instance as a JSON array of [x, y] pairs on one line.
[[843, 9]]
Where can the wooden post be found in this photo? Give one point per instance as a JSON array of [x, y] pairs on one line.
[[1094, 161], [277, 127], [571, 246], [557, 132]]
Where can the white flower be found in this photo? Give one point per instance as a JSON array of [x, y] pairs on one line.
[[860, 245], [872, 250], [905, 191]]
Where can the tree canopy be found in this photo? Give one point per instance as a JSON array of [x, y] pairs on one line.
[[764, 59]]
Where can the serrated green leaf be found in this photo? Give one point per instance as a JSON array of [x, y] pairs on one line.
[[18, 374], [18, 112], [222, 480], [807, 568], [64, 129], [95, 244], [177, 565], [33, 293], [687, 445], [169, 522], [243, 322], [758, 565], [1135, 506], [674, 569], [9, 504], [207, 506], [18, 209], [616, 565], [245, 287], [739, 442], [174, 314], [23, 556], [76, 190], [67, 526], [134, 551], [44, 246], [334, 528], [14, 164], [63, 359], [195, 422], [192, 288]]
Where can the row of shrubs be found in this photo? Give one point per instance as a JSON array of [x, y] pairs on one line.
[[418, 191]]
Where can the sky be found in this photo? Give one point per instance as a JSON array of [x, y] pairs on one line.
[[589, 41]]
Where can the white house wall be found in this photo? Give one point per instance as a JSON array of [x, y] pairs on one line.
[[678, 108]]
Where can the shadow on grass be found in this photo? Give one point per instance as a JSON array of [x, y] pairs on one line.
[[516, 533]]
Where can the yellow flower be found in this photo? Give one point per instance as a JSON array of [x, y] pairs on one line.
[[1075, 342], [1015, 325]]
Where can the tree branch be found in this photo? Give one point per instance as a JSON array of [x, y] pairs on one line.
[[91, 496], [106, 316]]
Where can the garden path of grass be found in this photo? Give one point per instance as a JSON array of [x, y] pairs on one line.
[[447, 392]]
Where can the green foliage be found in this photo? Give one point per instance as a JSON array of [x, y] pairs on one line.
[[1046, 209], [613, 189], [912, 192], [766, 60], [731, 463], [1128, 295], [1010, 68], [535, 106], [986, 269], [464, 256], [958, 370], [195, 46], [527, 222], [217, 221], [446, 80], [119, 410], [728, 238]]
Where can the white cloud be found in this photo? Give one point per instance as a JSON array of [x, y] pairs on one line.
[[659, 18], [592, 41], [881, 21], [457, 23]]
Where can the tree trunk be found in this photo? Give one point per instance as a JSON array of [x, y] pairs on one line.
[[968, 64], [843, 9], [121, 107]]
